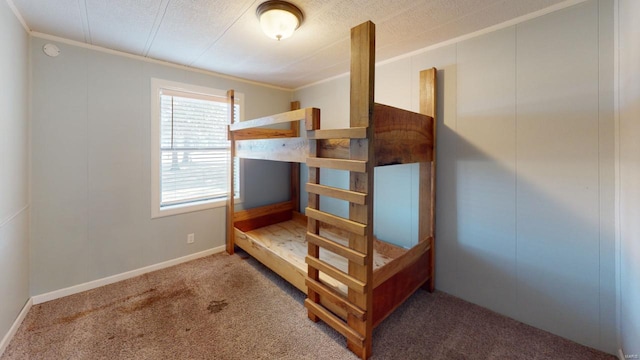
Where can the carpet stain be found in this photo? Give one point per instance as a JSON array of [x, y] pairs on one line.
[[120, 304], [83, 313], [216, 306], [78, 315], [151, 300]]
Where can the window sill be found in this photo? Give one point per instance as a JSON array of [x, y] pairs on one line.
[[190, 207]]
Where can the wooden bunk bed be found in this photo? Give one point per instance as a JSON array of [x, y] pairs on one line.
[[352, 280]]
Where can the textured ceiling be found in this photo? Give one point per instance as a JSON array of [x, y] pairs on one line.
[[225, 36]]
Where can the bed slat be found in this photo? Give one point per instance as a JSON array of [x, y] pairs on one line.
[[355, 256], [252, 134], [350, 281], [282, 149], [336, 299], [308, 113], [262, 211], [334, 322], [341, 223], [348, 133], [337, 193], [338, 164]]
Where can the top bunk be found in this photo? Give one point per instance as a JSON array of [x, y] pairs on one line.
[[399, 137]]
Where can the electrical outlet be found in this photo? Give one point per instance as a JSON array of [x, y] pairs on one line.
[[191, 238]]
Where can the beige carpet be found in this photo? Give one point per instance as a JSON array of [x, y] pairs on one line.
[[231, 307]]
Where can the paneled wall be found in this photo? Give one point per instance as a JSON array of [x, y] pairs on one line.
[[91, 213], [525, 168], [629, 175], [14, 169]]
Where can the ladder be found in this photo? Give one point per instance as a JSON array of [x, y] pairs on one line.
[[350, 315]]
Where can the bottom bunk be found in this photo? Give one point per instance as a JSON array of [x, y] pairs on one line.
[[280, 244]]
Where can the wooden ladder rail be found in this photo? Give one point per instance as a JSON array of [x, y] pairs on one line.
[[359, 252]]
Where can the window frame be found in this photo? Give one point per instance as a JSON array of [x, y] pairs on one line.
[[156, 210]]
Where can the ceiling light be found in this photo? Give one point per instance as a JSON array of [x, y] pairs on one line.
[[279, 19]]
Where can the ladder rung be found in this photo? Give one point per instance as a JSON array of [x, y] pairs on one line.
[[334, 322], [353, 255], [338, 164], [336, 298], [348, 133], [350, 281], [337, 193], [342, 223]]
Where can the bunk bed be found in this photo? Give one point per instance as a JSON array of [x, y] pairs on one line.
[[353, 281]]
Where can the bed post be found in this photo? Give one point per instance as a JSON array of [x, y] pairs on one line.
[[361, 104], [230, 196], [427, 192], [295, 167]]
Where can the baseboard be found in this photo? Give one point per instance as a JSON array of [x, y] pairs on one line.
[[16, 324], [56, 294]]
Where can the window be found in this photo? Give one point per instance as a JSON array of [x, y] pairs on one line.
[[190, 150]]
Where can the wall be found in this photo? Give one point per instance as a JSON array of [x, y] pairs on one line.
[[525, 199], [14, 169], [629, 175], [91, 211]]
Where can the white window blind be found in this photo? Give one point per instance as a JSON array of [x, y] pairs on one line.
[[194, 149]]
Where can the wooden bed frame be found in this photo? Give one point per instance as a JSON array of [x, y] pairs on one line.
[[356, 281]]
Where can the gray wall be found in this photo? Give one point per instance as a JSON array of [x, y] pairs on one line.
[[525, 168], [91, 209], [629, 175], [14, 169], [525, 200]]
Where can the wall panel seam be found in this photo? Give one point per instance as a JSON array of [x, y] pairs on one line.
[[599, 188], [515, 161]]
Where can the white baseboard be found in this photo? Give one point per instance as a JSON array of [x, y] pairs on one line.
[[16, 324], [56, 294]]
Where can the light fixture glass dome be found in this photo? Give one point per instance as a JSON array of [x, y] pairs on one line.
[[278, 24], [279, 19]]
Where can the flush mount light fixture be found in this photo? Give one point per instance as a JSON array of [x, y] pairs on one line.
[[279, 19]]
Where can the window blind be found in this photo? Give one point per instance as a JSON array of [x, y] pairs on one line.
[[194, 147]]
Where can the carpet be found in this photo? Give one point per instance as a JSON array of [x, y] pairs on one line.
[[232, 307]]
